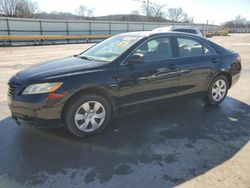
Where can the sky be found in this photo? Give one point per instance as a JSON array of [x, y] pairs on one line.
[[216, 11]]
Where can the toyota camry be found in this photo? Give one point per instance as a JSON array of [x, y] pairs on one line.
[[127, 71]]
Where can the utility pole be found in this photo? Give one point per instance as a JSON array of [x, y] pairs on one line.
[[147, 10], [213, 31], [147, 3], [207, 26]]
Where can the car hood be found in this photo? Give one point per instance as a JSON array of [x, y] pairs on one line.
[[57, 67]]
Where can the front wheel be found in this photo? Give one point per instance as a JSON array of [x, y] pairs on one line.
[[217, 91], [87, 114]]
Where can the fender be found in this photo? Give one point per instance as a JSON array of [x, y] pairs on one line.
[[221, 72]]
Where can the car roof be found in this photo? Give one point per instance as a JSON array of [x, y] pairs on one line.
[[185, 27], [159, 33], [167, 28]]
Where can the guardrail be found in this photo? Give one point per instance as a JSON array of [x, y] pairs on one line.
[[43, 39]]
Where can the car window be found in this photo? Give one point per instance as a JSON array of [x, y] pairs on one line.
[[156, 49], [189, 47]]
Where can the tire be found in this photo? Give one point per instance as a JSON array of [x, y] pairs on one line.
[[213, 97], [87, 114]]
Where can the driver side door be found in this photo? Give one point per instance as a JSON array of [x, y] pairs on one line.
[[154, 79]]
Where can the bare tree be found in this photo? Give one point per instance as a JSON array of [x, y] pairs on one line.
[[84, 11], [135, 12], [152, 9], [27, 9], [177, 15], [18, 8], [239, 22], [8, 8], [187, 19], [159, 10]]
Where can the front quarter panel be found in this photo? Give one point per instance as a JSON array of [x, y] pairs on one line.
[[41, 106], [102, 78]]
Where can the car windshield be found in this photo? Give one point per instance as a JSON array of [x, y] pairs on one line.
[[109, 49]]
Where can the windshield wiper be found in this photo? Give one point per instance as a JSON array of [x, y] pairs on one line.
[[83, 57]]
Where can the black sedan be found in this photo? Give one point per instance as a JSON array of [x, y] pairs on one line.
[[123, 73]]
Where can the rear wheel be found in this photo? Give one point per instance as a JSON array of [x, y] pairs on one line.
[[87, 114], [217, 91]]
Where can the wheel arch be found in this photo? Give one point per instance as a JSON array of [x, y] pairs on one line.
[[229, 78], [90, 90], [224, 73]]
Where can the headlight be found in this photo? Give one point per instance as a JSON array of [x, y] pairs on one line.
[[41, 88]]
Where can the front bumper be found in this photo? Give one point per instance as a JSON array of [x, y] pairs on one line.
[[36, 110]]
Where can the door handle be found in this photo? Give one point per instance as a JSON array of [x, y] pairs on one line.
[[118, 78], [185, 71], [162, 70]]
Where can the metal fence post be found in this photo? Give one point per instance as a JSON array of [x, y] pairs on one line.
[[41, 30], [207, 26], [8, 29], [109, 28], [67, 30], [90, 25], [41, 27]]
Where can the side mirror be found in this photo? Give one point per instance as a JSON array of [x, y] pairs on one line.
[[136, 58]]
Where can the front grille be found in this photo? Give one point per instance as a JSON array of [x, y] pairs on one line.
[[12, 88]]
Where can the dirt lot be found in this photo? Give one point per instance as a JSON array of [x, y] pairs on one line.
[[198, 147]]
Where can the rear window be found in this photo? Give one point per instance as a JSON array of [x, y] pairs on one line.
[[189, 47], [186, 31]]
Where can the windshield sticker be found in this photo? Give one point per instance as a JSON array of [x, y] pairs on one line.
[[122, 44]]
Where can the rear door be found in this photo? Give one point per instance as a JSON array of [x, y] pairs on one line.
[[196, 63]]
